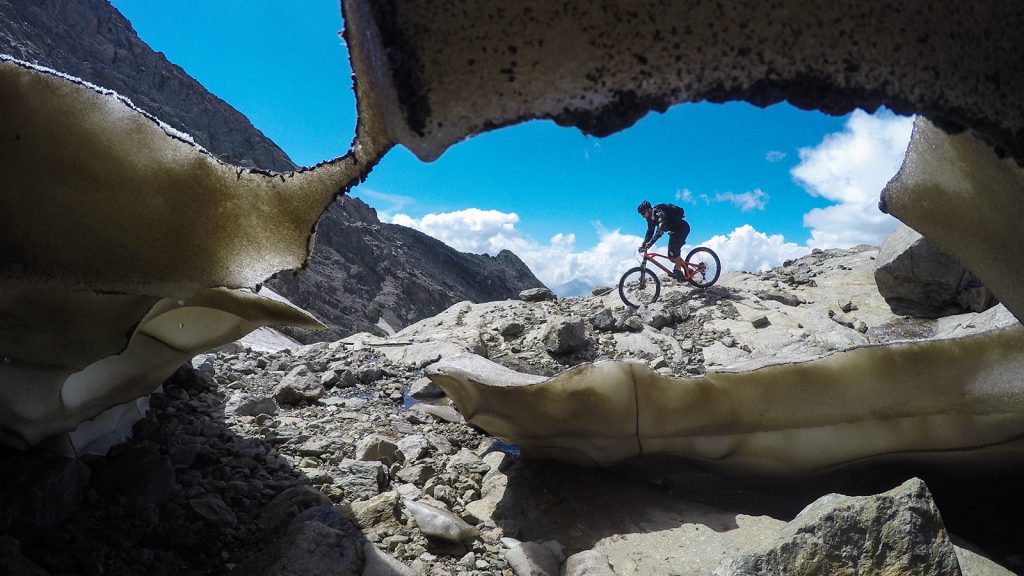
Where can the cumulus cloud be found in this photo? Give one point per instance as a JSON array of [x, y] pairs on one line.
[[746, 249], [470, 230], [775, 156], [850, 168], [746, 201], [555, 262]]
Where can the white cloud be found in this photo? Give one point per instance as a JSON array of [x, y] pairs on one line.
[[470, 230], [560, 261], [775, 156], [747, 249], [685, 196], [746, 201], [556, 262], [851, 168]]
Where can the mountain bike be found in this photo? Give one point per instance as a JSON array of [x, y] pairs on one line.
[[641, 285]]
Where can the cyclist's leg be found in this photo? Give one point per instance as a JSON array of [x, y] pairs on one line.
[[675, 245]]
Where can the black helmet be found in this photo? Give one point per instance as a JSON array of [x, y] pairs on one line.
[[643, 207]]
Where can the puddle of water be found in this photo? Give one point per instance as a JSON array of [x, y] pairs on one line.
[[903, 329]]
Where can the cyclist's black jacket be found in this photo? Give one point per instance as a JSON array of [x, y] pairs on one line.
[[664, 218]]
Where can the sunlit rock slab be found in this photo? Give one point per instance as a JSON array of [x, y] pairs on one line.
[[957, 404], [958, 193], [100, 196], [442, 71]]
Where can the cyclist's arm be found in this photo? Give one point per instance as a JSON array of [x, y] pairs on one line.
[[650, 232], [657, 234]]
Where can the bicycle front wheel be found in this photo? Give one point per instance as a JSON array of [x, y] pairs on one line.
[[708, 267], [639, 286]]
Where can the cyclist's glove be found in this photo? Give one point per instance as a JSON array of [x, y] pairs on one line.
[[642, 248]]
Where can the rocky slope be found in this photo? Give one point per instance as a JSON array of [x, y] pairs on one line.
[[368, 276], [341, 458], [360, 271]]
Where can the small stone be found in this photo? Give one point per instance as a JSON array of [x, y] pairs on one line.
[[435, 522], [761, 322], [659, 362]]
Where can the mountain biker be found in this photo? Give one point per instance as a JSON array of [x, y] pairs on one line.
[[663, 218]]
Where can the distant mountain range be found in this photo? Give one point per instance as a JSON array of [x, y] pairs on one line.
[[361, 271], [575, 287]]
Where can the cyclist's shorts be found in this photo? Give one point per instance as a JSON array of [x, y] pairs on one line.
[[676, 239]]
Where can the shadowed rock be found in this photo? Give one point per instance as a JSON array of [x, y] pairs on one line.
[[918, 279]]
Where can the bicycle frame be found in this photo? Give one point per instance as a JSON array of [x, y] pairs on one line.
[[689, 270]]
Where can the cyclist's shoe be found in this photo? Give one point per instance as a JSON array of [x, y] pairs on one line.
[[677, 274]]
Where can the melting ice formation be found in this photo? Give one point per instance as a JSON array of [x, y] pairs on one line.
[[114, 225], [945, 403]]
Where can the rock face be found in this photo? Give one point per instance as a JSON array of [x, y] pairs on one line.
[[368, 276], [898, 532], [917, 278]]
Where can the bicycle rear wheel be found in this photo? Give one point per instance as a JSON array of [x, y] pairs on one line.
[[639, 286], [708, 267]]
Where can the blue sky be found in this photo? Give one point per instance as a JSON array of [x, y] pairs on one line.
[[759, 185]]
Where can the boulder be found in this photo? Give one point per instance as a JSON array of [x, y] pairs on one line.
[[377, 448], [534, 559], [588, 563], [245, 404], [896, 532], [382, 508], [603, 320], [565, 335], [39, 492], [361, 480], [309, 549], [298, 386], [425, 389], [289, 504], [537, 295], [917, 278], [212, 509], [781, 297]]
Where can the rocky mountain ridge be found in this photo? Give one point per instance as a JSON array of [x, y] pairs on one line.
[[341, 457], [365, 275]]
